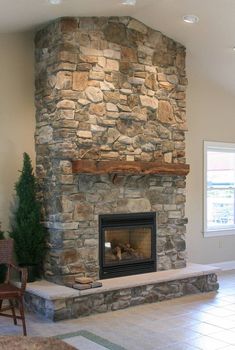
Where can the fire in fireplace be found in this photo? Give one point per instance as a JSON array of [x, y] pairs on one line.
[[127, 244]]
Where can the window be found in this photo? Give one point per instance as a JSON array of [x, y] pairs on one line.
[[219, 189]]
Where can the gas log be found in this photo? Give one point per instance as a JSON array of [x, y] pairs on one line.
[[120, 252]]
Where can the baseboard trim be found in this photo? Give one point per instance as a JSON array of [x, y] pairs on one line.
[[225, 265]]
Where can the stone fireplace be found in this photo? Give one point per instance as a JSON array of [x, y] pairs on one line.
[[110, 91]]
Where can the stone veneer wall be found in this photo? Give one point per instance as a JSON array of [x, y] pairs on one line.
[[84, 305], [107, 89]]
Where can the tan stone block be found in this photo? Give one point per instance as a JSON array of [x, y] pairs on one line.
[[128, 54], [105, 86], [83, 67], [63, 80], [95, 83], [69, 94], [87, 51], [149, 102], [161, 77], [84, 134], [138, 26], [123, 108], [125, 67], [166, 85], [136, 81], [150, 93], [66, 104], [94, 94], [67, 56], [134, 205], [165, 112], [65, 113], [138, 67], [68, 24], [88, 59], [84, 280], [80, 81], [140, 75], [67, 205], [111, 107], [111, 65], [102, 61], [65, 66], [97, 128], [179, 95], [146, 156], [173, 79], [96, 75], [97, 109], [113, 135], [180, 60], [126, 91], [110, 155], [167, 157], [68, 256], [150, 69], [83, 212], [112, 96], [139, 113], [130, 158], [112, 54], [83, 101], [66, 167], [44, 134], [65, 123], [112, 115], [150, 81]]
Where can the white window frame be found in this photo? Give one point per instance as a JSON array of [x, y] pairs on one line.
[[219, 146]]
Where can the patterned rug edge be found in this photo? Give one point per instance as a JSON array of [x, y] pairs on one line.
[[92, 337]]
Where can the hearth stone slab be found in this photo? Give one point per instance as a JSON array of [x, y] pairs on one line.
[[57, 302]]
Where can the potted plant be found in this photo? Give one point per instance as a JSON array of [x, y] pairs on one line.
[[27, 230]]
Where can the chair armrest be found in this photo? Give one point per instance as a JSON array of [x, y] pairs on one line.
[[23, 275]]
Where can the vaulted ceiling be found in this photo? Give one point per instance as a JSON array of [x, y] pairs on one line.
[[209, 43]]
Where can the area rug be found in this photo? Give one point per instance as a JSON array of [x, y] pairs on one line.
[[85, 340]]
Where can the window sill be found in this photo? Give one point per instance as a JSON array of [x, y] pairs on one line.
[[219, 233]]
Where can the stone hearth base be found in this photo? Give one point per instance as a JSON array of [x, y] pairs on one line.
[[58, 303]]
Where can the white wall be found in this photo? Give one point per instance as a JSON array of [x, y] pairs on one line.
[[210, 112], [211, 117], [16, 113]]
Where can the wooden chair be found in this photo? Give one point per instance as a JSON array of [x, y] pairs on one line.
[[8, 291]]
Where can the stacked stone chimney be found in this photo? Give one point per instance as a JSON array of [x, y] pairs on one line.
[[107, 89]]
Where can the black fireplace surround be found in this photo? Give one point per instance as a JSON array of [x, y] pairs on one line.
[[127, 244]]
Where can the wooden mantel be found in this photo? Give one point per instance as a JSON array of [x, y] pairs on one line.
[[127, 167]]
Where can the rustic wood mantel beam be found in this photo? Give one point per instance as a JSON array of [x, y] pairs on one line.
[[127, 167]]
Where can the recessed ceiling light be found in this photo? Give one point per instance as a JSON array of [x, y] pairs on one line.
[[191, 19], [55, 2], [128, 2]]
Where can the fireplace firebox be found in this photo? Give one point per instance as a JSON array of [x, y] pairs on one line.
[[127, 244]]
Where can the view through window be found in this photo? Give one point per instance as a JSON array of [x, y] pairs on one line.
[[219, 187]]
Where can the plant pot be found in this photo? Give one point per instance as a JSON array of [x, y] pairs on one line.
[[32, 272]]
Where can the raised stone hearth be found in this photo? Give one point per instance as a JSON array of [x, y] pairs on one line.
[[108, 89], [57, 303]]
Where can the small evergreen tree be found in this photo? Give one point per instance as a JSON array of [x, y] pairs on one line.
[[27, 230]]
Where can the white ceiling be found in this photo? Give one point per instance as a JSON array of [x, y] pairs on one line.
[[209, 43]]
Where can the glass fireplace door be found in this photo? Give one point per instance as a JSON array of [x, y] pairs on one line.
[[127, 244]]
